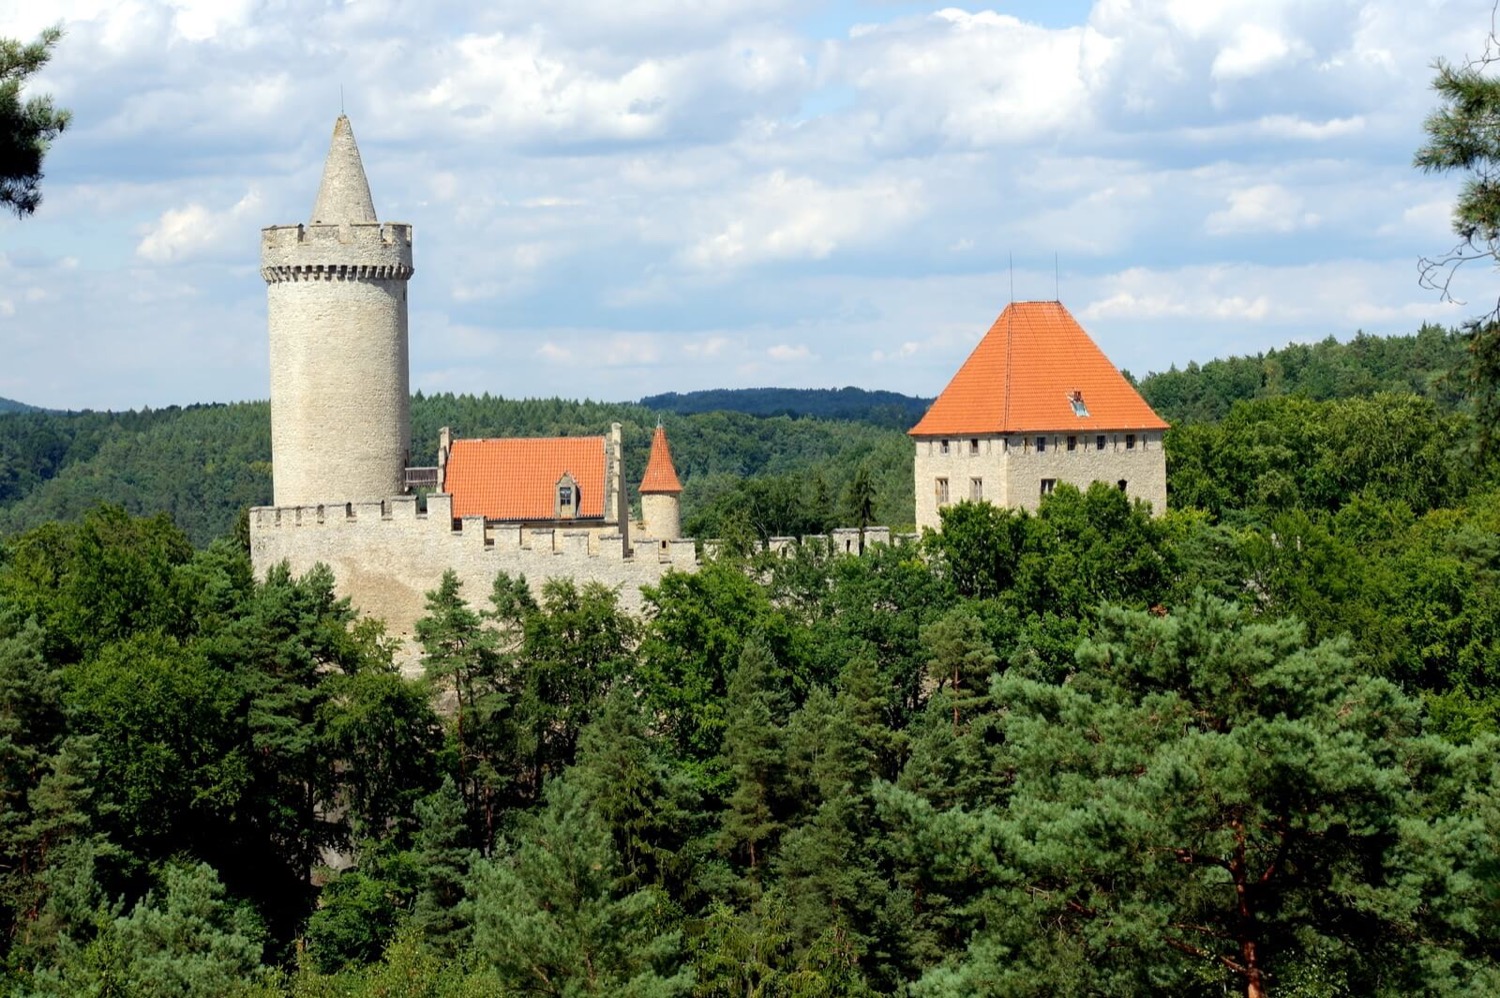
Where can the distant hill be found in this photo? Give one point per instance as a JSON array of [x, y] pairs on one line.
[[880, 408], [1420, 363], [203, 464]]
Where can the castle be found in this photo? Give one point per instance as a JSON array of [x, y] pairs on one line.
[[1036, 404]]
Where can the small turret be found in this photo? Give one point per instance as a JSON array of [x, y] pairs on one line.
[[660, 490]]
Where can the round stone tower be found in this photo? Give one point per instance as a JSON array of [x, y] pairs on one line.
[[336, 304], [660, 490]]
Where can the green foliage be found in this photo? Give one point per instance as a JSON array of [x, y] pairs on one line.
[[1462, 135], [1418, 364], [1276, 455], [191, 941], [1210, 803], [989, 763], [551, 918], [29, 124], [357, 919]]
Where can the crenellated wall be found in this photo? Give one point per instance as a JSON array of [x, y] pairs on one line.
[[386, 556]]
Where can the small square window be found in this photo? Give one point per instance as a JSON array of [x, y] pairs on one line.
[[1049, 485], [974, 446], [1072, 443], [976, 489], [1099, 442], [565, 495], [1121, 485], [940, 490], [1041, 444], [943, 447], [1130, 441]]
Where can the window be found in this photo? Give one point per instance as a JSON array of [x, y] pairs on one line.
[[1130, 441], [940, 490], [976, 489], [1041, 444], [1121, 485], [1048, 486], [974, 446], [943, 447], [1075, 399], [1099, 442], [1072, 443], [569, 496]]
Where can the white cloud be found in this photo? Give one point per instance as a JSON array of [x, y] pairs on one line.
[[1252, 49], [786, 352], [666, 192], [781, 217], [1262, 208], [183, 233], [967, 79]]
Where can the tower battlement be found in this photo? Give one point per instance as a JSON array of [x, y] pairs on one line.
[[351, 251]]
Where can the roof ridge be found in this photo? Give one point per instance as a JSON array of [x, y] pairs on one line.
[[1010, 354]]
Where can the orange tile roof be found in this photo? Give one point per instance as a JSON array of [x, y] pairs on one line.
[[660, 476], [1023, 374], [515, 479]]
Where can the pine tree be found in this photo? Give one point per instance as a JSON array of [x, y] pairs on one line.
[[29, 125], [551, 917], [1212, 803], [754, 757]]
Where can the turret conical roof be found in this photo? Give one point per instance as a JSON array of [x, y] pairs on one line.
[[344, 194], [660, 476]]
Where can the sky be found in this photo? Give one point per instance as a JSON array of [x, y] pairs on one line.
[[613, 199]]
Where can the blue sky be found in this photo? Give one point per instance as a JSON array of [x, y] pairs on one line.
[[612, 200]]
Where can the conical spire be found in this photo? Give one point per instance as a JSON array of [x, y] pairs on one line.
[[344, 194], [660, 475]]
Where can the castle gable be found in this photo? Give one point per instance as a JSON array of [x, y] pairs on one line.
[[517, 479], [1036, 369]]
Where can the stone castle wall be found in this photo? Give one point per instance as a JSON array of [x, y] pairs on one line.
[[1011, 470], [386, 556], [340, 396]]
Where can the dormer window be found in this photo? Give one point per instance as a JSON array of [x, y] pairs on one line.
[[1075, 399], [569, 498]]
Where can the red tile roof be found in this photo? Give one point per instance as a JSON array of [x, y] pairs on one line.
[[1023, 374], [516, 479], [660, 476]]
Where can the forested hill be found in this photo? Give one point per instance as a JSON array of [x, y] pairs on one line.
[[11, 405], [1418, 363], [770, 461], [878, 407], [203, 464]]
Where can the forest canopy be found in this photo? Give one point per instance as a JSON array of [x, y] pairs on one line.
[[1247, 746]]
